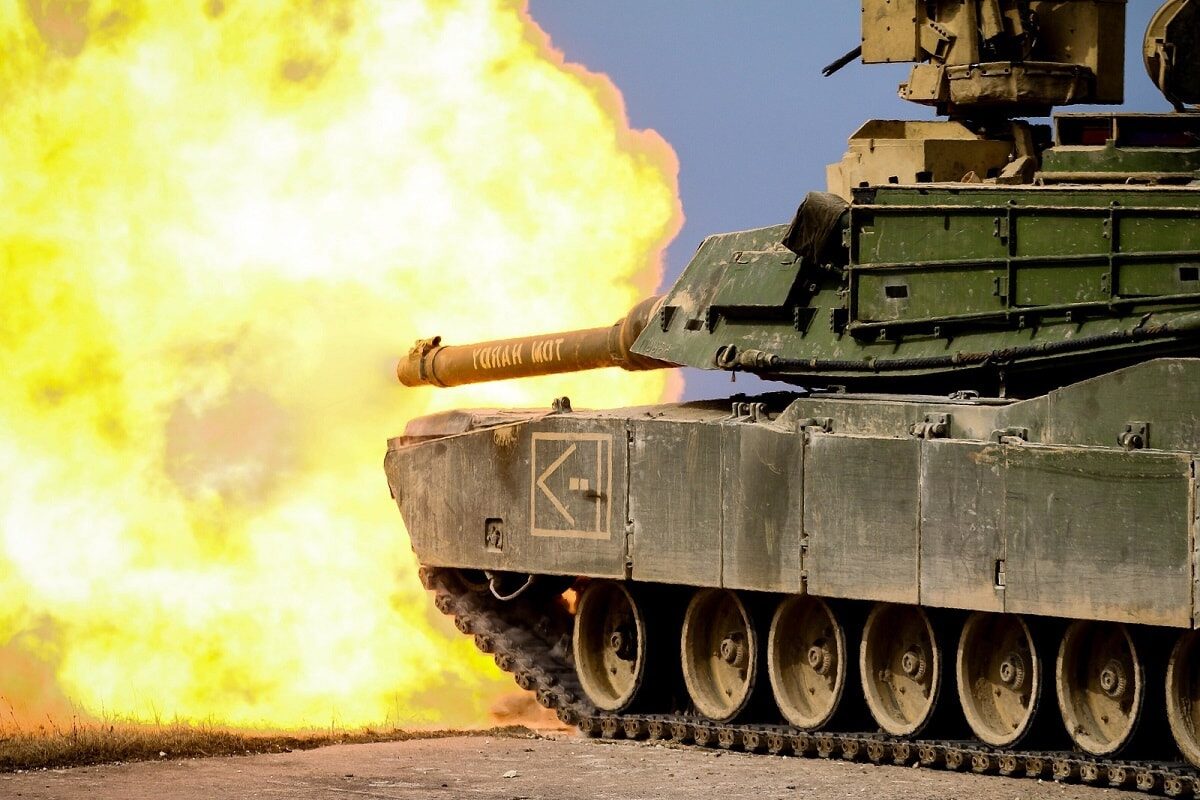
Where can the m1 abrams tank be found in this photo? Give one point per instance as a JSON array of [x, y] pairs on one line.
[[964, 533]]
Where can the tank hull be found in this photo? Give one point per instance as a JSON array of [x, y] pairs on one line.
[[1031, 507], [838, 573]]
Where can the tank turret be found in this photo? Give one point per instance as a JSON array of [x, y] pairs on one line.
[[994, 289], [980, 253]]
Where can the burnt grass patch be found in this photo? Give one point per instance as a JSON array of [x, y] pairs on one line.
[[81, 744]]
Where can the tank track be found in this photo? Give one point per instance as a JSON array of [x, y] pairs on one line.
[[533, 643]]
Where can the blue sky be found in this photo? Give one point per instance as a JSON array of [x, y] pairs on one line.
[[736, 88]]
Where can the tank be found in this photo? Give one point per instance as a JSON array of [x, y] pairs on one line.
[[963, 531]]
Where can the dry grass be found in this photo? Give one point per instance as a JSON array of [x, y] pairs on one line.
[[50, 747]]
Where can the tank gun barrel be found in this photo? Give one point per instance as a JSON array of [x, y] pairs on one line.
[[430, 363]]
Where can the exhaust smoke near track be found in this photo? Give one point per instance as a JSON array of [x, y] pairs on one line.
[[222, 223]]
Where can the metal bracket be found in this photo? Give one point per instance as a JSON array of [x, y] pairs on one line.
[[750, 412], [821, 424], [802, 316], [1135, 436], [839, 318], [665, 315], [936, 40], [1011, 435], [1001, 229], [935, 426], [493, 535]]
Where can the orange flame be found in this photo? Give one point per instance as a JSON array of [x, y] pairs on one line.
[[222, 222]]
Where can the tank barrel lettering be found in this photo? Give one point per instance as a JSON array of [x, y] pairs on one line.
[[547, 350], [497, 357]]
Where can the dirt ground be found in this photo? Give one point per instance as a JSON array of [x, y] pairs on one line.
[[559, 768]]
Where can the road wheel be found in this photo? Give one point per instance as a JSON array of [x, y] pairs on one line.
[[1101, 685], [806, 661], [900, 663], [610, 645], [719, 650], [1183, 695], [999, 671]]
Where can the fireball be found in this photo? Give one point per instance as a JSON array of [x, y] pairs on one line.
[[222, 222]]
